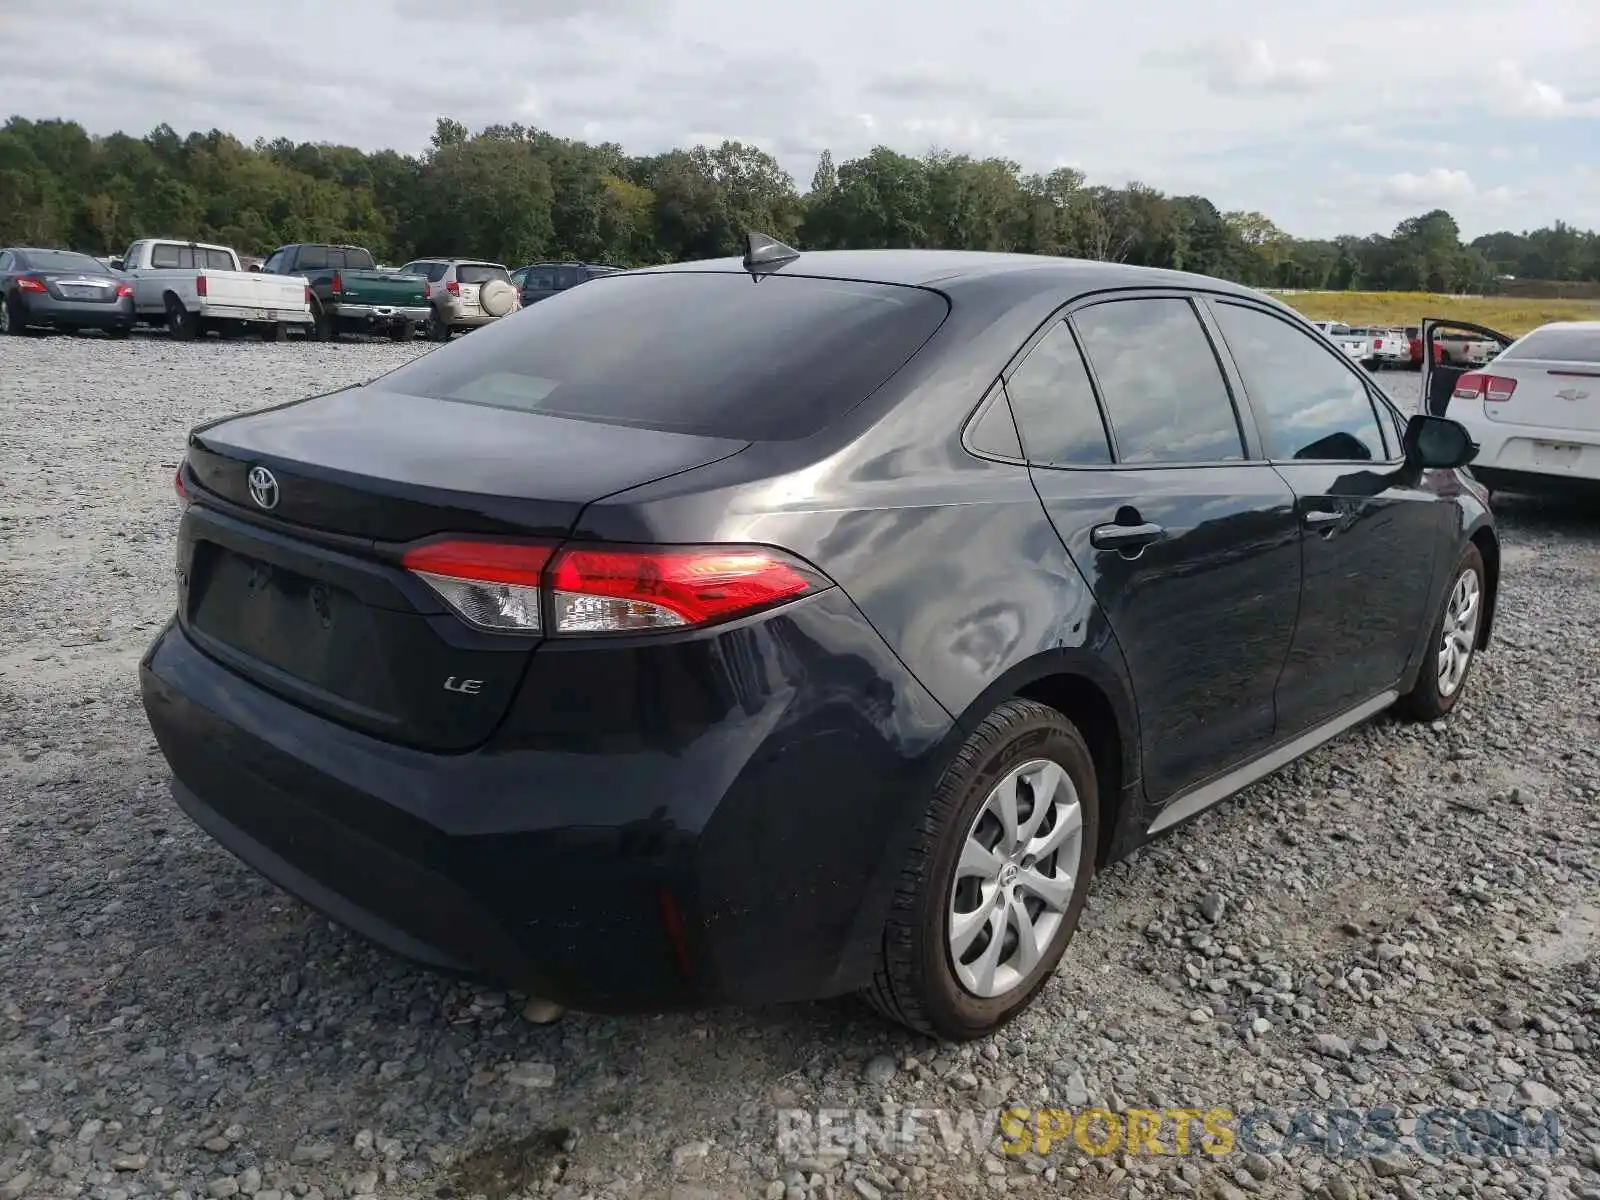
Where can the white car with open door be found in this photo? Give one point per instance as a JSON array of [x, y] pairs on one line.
[[1533, 408]]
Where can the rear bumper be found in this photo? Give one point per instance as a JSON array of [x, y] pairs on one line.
[[45, 310], [749, 860], [379, 315], [242, 312], [1529, 451]]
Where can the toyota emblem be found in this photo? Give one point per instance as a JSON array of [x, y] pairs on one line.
[[263, 487]]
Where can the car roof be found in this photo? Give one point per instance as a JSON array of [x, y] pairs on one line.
[[1585, 325], [949, 270]]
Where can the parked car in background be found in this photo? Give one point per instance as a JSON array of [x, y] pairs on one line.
[[60, 289], [350, 294], [1355, 344], [542, 280], [1331, 328], [771, 628], [192, 288], [1391, 347], [464, 293], [1458, 347], [1535, 410]]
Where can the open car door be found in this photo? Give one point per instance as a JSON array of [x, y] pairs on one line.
[[1449, 350]]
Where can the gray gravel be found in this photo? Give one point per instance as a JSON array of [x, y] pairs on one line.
[[1407, 919]]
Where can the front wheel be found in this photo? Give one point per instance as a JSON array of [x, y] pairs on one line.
[[1452, 645], [996, 878]]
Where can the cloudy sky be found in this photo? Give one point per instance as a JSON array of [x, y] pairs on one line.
[[1328, 118]]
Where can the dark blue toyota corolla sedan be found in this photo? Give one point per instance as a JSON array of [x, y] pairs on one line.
[[763, 629]]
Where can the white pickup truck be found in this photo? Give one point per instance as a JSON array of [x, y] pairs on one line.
[[192, 288]]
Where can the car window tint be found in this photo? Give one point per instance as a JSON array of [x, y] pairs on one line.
[[273, 264], [218, 260], [1311, 405], [479, 272], [1054, 404], [1158, 375], [311, 258], [166, 255], [543, 279], [1558, 345], [712, 353], [431, 271]]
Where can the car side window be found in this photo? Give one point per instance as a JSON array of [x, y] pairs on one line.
[[165, 255], [311, 258], [1312, 404], [542, 278], [274, 264], [1163, 388], [5, 260], [1053, 402], [994, 432]]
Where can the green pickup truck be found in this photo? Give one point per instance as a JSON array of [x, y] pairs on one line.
[[350, 295]]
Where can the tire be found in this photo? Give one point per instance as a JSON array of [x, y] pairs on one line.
[[920, 981], [438, 331], [13, 320], [402, 332], [272, 331], [232, 330], [1437, 689], [181, 323], [323, 327]]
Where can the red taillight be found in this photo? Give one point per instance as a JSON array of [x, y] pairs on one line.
[[427, 291], [124, 290], [634, 590], [493, 585], [308, 293], [29, 284], [452, 287], [1377, 343], [336, 284], [200, 285], [178, 486], [501, 586], [1493, 388]]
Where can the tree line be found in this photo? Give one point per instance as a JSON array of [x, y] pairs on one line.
[[515, 194]]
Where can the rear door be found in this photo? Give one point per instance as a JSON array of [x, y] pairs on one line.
[[1370, 527], [1443, 358], [1189, 543]]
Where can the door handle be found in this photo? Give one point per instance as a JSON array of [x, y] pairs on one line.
[[1125, 537], [1318, 517]]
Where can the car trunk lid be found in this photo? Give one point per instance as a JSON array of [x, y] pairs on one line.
[[296, 582], [382, 288], [1556, 395]]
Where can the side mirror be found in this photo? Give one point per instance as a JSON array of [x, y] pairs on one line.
[[118, 265], [255, 268], [1438, 443]]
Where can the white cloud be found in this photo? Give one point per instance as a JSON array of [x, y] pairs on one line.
[[1519, 94], [1440, 185], [1233, 67]]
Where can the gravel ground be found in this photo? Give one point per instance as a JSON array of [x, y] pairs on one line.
[[1407, 919]]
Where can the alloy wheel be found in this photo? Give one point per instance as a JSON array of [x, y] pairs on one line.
[[1015, 878], [1460, 636]]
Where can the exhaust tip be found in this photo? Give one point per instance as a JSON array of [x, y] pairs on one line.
[[542, 1012]]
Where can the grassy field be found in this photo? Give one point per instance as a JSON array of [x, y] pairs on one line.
[[1513, 316]]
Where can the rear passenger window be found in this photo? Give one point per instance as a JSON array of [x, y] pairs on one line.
[[994, 432], [166, 256], [311, 258], [1163, 389], [1311, 405], [1054, 405]]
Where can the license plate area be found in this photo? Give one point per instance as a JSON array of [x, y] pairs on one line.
[[1556, 454], [83, 292]]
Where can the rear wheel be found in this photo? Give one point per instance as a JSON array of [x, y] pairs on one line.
[[323, 327], [182, 324], [1452, 646], [996, 879], [13, 320], [402, 332], [438, 329], [272, 331]]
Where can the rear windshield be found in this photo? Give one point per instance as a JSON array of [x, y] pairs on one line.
[[170, 254], [1559, 345], [714, 354], [479, 273], [60, 260]]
